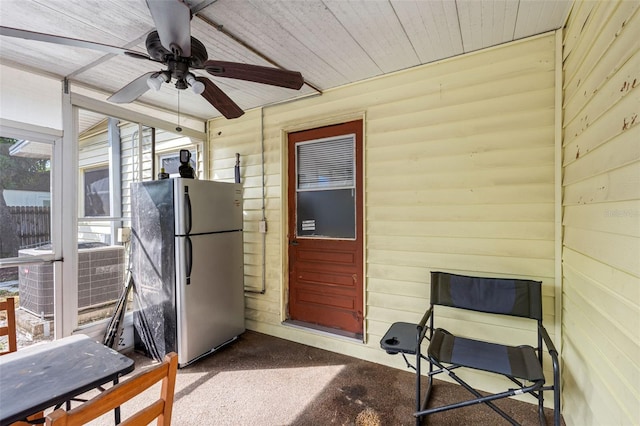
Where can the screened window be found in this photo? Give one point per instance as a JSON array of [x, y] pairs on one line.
[[96, 192]]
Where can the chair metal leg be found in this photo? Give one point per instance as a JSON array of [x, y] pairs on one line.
[[479, 398], [418, 382], [556, 392], [540, 396], [543, 420]]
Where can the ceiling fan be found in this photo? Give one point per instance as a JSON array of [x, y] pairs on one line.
[[172, 45]]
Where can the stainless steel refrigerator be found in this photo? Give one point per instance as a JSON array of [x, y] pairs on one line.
[[187, 266]]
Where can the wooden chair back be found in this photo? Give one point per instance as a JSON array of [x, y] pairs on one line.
[[122, 392], [9, 330]]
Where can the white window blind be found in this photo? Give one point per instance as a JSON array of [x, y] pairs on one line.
[[326, 163]]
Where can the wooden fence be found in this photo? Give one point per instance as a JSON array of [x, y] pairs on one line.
[[33, 225]]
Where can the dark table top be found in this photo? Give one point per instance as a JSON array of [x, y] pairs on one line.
[[38, 377]]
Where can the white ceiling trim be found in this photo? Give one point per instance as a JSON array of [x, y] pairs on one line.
[[190, 127], [18, 130]]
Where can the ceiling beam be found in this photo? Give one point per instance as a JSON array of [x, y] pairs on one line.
[[108, 56]]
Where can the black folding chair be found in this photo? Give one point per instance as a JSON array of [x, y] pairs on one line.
[[521, 364]]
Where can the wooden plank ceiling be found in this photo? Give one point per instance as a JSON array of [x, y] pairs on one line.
[[331, 42]]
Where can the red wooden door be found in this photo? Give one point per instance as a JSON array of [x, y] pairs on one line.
[[325, 227]]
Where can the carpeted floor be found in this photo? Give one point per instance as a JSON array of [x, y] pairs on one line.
[[263, 380]]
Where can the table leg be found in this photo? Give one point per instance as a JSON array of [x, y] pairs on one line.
[[116, 411]]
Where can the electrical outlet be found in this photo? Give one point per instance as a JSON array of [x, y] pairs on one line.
[[262, 226], [124, 235]]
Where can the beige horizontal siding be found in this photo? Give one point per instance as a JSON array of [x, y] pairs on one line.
[[601, 247], [94, 152], [459, 176]]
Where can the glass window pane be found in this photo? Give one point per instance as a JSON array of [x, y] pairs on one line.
[[325, 203], [96, 192], [328, 214], [326, 163], [171, 163]]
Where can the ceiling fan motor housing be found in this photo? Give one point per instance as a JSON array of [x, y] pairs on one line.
[[178, 66], [158, 52], [155, 49]]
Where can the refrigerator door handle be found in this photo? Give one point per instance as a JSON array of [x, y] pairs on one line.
[[187, 206], [189, 257]]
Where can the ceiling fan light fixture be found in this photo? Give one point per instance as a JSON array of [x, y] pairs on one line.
[[155, 81], [196, 86], [172, 45]]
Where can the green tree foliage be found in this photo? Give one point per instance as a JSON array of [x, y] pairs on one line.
[[22, 173]]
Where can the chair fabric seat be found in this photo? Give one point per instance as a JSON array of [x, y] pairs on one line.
[[515, 361]]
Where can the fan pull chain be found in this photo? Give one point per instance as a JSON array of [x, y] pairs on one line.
[[178, 128]]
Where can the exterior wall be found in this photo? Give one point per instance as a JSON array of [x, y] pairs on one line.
[[132, 159], [601, 262], [35, 100], [459, 176], [94, 151], [130, 163]]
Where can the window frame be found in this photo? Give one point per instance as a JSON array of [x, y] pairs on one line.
[[196, 149]]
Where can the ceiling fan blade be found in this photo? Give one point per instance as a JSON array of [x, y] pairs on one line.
[[173, 23], [255, 73], [131, 91], [66, 41], [220, 101]]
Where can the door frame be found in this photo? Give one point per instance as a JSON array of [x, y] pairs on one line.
[[284, 210]]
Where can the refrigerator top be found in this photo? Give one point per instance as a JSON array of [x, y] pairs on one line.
[[204, 206]]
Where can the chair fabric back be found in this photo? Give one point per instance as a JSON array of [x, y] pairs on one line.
[[522, 298], [9, 329], [117, 395]]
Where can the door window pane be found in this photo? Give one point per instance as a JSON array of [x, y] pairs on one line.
[[325, 200], [326, 163], [328, 214]]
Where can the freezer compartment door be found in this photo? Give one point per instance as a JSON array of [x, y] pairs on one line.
[[204, 206], [211, 306]]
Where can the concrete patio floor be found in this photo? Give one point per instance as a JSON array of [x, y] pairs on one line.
[[264, 380]]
